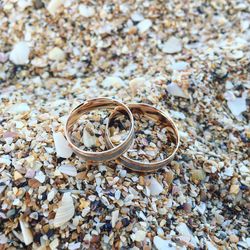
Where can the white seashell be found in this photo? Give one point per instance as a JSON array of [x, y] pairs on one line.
[[74, 246], [113, 81], [137, 17], [62, 147], [19, 108], [210, 245], [144, 25], [88, 139], [236, 54], [68, 170], [3, 239], [173, 45], [162, 244], [117, 194], [136, 84], [39, 62], [26, 233], [229, 171], [65, 211], [155, 187], [54, 244], [56, 54], [181, 65], [175, 90], [237, 105], [85, 211], [3, 57], [5, 160], [40, 176], [54, 5], [140, 235], [20, 53], [86, 11], [23, 4], [183, 230], [115, 215], [51, 194], [177, 114]]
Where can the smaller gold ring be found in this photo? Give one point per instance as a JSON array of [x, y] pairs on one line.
[[100, 103], [158, 116]]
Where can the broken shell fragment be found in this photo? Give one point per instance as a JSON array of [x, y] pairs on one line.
[[66, 210], [26, 233]]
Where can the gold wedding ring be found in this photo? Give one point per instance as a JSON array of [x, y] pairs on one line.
[[100, 103], [158, 116]]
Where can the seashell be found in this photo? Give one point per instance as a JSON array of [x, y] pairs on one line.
[[144, 25], [68, 170], [137, 17], [5, 160], [51, 194], [116, 138], [54, 244], [172, 46], [177, 114], [181, 65], [86, 11], [65, 211], [23, 4], [20, 53], [17, 175], [175, 90], [62, 147], [234, 189], [169, 176], [229, 171], [40, 176], [54, 5], [183, 230], [113, 81], [30, 173], [136, 84], [237, 105], [210, 166], [198, 175], [161, 244], [10, 134], [3, 57], [115, 215], [56, 54], [88, 139], [155, 187], [19, 108], [26, 233], [140, 235]]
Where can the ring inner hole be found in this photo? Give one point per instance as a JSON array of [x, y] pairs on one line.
[[154, 138], [88, 132]]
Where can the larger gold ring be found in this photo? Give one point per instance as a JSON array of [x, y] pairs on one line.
[[100, 103], [158, 116]]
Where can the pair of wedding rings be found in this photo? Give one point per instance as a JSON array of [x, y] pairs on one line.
[[118, 151]]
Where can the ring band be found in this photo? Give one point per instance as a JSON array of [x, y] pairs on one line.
[[158, 116], [100, 103]]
